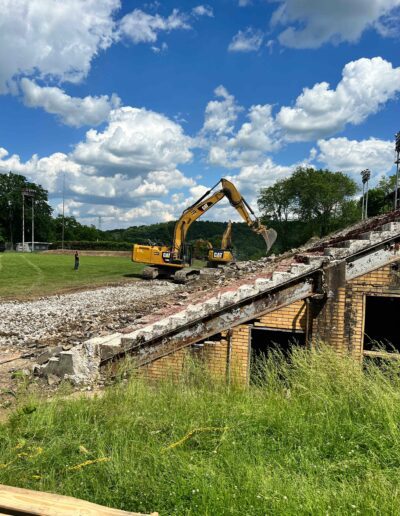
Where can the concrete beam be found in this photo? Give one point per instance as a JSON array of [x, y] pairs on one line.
[[240, 313]]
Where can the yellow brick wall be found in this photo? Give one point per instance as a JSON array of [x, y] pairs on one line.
[[290, 317], [215, 356], [337, 321], [340, 323], [170, 366], [240, 355], [382, 281]]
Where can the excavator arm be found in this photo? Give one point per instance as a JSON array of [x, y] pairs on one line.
[[203, 204], [226, 242]]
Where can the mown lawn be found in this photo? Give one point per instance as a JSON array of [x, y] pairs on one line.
[[318, 436], [24, 275]]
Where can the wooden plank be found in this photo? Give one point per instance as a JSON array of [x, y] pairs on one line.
[[382, 354], [17, 501]]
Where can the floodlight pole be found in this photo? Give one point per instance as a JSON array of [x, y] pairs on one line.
[[366, 175], [363, 202], [23, 222], [33, 223], [396, 187], [63, 220]]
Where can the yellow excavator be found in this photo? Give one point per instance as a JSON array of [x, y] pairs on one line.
[[223, 255], [174, 260]]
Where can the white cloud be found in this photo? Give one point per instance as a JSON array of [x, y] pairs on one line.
[[58, 40], [249, 40], [221, 115], [203, 10], [161, 49], [352, 156], [260, 133], [247, 145], [129, 165], [319, 111], [244, 3], [52, 38], [141, 27], [311, 23], [366, 85], [72, 111], [135, 141]]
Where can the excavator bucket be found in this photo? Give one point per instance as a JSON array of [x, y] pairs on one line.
[[269, 236]]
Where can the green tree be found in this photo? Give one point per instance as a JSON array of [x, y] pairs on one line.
[[11, 186], [74, 230], [320, 196], [308, 203]]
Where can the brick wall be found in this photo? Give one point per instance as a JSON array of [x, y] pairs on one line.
[[340, 321], [290, 317], [337, 321]]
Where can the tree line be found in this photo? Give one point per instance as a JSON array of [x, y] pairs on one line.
[[308, 203]]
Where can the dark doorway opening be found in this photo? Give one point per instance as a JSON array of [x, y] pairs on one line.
[[265, 340], [382, 325]]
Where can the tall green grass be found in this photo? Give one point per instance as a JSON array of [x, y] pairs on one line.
[[315, 435]]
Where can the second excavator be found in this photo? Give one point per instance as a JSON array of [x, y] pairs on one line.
[[223, 255], [175, 260]]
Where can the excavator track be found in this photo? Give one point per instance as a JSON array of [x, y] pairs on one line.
[[150, 273], [186, 275]]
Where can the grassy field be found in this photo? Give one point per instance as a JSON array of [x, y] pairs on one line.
[[320, 436], [30, 275]]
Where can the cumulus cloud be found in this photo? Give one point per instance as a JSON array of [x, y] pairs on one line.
[[352, 156], [319, 111], [221, 115], [249, 40], [63, 47], [72, 111], [141, 27], [129, 164], [230, 148], [134, 141], [203, 10], [311, 23], [74, 32]]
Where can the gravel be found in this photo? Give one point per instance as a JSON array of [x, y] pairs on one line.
[[70, 318]]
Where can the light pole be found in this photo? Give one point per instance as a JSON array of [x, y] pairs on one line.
[[396, 186], [63, 218], [23, 222], [366, 175], [11, 223], [28, 192]]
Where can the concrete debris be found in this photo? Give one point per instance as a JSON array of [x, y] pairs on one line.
[[80, 365], [74, 318], [157, 309]]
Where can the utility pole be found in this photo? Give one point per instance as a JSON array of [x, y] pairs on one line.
[[366, 175], [63, 206], [396, 186]]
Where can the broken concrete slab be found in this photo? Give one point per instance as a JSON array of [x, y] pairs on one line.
[[80, 365], [49, 353]]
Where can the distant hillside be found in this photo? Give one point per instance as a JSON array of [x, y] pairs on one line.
[[247, 245]]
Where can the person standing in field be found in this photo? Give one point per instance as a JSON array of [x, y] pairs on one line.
[[76, 261]]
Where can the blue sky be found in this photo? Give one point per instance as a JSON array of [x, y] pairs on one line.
[[142, 105]]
